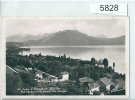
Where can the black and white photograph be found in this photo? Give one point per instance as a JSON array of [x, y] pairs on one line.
[[68, 56]]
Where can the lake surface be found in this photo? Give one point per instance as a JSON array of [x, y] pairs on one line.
[[114, 53]]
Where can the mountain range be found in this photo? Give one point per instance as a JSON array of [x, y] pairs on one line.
[[24, 38], [65, 38]]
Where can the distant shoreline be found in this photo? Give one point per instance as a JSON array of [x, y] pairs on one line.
[[122, 46]]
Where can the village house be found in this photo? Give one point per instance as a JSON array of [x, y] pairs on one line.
[[118, 85], [64, 76], [86, 79], [93, 87], [38, 74], [45, 77], [53, 79], [105, 82], [29, 69], [50, 78]]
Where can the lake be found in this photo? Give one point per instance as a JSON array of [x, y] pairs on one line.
[[114, 53]]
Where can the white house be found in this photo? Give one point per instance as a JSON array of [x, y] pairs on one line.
[[28, 69], [93, 87], [39, 74], [65, 76]]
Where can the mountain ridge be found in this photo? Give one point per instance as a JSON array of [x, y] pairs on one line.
[[73, 38]]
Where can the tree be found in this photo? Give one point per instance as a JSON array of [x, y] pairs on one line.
[[40, 55], [71, 90], [64, 56], [93, 61], [105, 62], [113, 65], [102, 89], [12, 61], [85, 88], [77, 83], [13, 83], [96, 93], [28, 79], [80, 91], [31, 63]]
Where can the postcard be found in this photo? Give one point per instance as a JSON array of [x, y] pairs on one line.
[[67, 57]]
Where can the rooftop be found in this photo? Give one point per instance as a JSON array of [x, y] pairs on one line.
[[106, 81], [64, 73], [86, 79], [93, 85]]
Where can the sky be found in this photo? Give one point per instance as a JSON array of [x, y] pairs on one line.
[[93, 26]]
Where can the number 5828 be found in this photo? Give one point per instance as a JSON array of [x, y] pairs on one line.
[[109, 7]]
